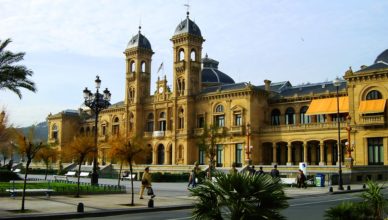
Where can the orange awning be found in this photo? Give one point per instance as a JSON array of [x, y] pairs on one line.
[[328, 106], [372, 106]]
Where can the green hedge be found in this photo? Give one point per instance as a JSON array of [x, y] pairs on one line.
[[170, 177]]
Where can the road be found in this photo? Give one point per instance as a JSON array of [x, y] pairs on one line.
[[303, 208]]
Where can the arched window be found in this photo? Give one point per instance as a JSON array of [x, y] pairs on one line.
[[160, 154], [304, 119], [181, 55], [290, 116], [82, 131], [162, 121], [143, 66], [150, 122], [116, 126], [193, 55], [87, 131], [374, 94], [180, 152], [132, 67], [219, 119], [220, 108], [54, 132], [275, 117]]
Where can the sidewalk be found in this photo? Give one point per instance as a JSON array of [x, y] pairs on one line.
[[101, 205]]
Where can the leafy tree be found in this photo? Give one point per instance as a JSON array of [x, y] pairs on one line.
[[4, 137], [239, 196], [14, 76], [29, 149], [207, 142], [127, 150], [81, 149], [47, 155]]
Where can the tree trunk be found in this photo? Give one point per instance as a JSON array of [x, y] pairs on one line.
[[79, 176], [25, 183], [45, 173], [131, 170], [121, 168]]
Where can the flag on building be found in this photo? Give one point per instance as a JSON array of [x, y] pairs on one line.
[[160, 67]]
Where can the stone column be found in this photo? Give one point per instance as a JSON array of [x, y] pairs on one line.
[[322, 156], [313, 154], [289, 159], [154, 156], [167, 155], [305, 151]]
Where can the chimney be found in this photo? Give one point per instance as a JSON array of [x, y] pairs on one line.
[[267, 85]]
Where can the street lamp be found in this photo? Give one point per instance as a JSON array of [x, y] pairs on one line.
[[96, 102], [337, 83], [248, 148]]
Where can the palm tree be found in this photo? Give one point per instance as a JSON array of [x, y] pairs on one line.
[[13, 76], [240, 196], [374, 199]]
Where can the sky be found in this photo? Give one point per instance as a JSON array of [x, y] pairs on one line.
[[69, 42]]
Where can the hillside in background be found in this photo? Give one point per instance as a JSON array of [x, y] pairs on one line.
[[41, 131]]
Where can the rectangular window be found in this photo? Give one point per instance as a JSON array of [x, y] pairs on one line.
[[201, 157], [104, 130], [150, 126], [375, 151], [200, 122], [219, 155], [237, 120], [238, 159], [321, 118], [220, 120]]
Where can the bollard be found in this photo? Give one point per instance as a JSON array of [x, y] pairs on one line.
[[150, 203], [80, 207], [330, 189], [348, 188]]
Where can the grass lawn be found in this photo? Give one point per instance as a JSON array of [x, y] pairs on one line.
[[61, 188]]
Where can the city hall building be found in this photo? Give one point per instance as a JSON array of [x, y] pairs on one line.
[[280, 123]]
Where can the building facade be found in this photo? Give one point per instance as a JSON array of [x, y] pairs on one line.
[[281, 123]]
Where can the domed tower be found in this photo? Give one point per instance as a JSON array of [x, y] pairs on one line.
[[138, 56], [187, 45]]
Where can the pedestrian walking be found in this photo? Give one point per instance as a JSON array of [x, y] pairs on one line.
[[275, 171], [301, 179], [194, 175], [146, 184], [233, 170]]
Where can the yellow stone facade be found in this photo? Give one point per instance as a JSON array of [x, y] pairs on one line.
[[274, 117]]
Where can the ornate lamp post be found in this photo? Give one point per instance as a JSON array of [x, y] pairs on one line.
[[337, 83], [248, 148], [96, 102]]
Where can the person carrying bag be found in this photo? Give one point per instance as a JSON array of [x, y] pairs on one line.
[[146, 183]]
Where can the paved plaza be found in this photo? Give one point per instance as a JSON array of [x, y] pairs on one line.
[[169, 196]]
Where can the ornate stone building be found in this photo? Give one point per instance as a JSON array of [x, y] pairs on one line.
[[284, 124]]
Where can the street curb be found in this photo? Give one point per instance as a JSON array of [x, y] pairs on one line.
[[348, 191], [98, 213]]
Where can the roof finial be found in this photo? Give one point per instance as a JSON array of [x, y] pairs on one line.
[[139, 29], [188, 7]]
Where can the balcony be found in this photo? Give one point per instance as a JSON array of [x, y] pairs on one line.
[[102, 138], [180, 66], [302, 127], [236, 130], [157, 134], [52, 140], [369, 120], [147, 134], [198, 131]]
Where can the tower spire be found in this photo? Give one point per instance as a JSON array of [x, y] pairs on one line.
[[188, 8]]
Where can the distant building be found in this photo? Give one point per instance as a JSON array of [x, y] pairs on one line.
[[288, 124]]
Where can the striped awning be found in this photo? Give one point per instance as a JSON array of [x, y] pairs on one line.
[[328, 106]]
